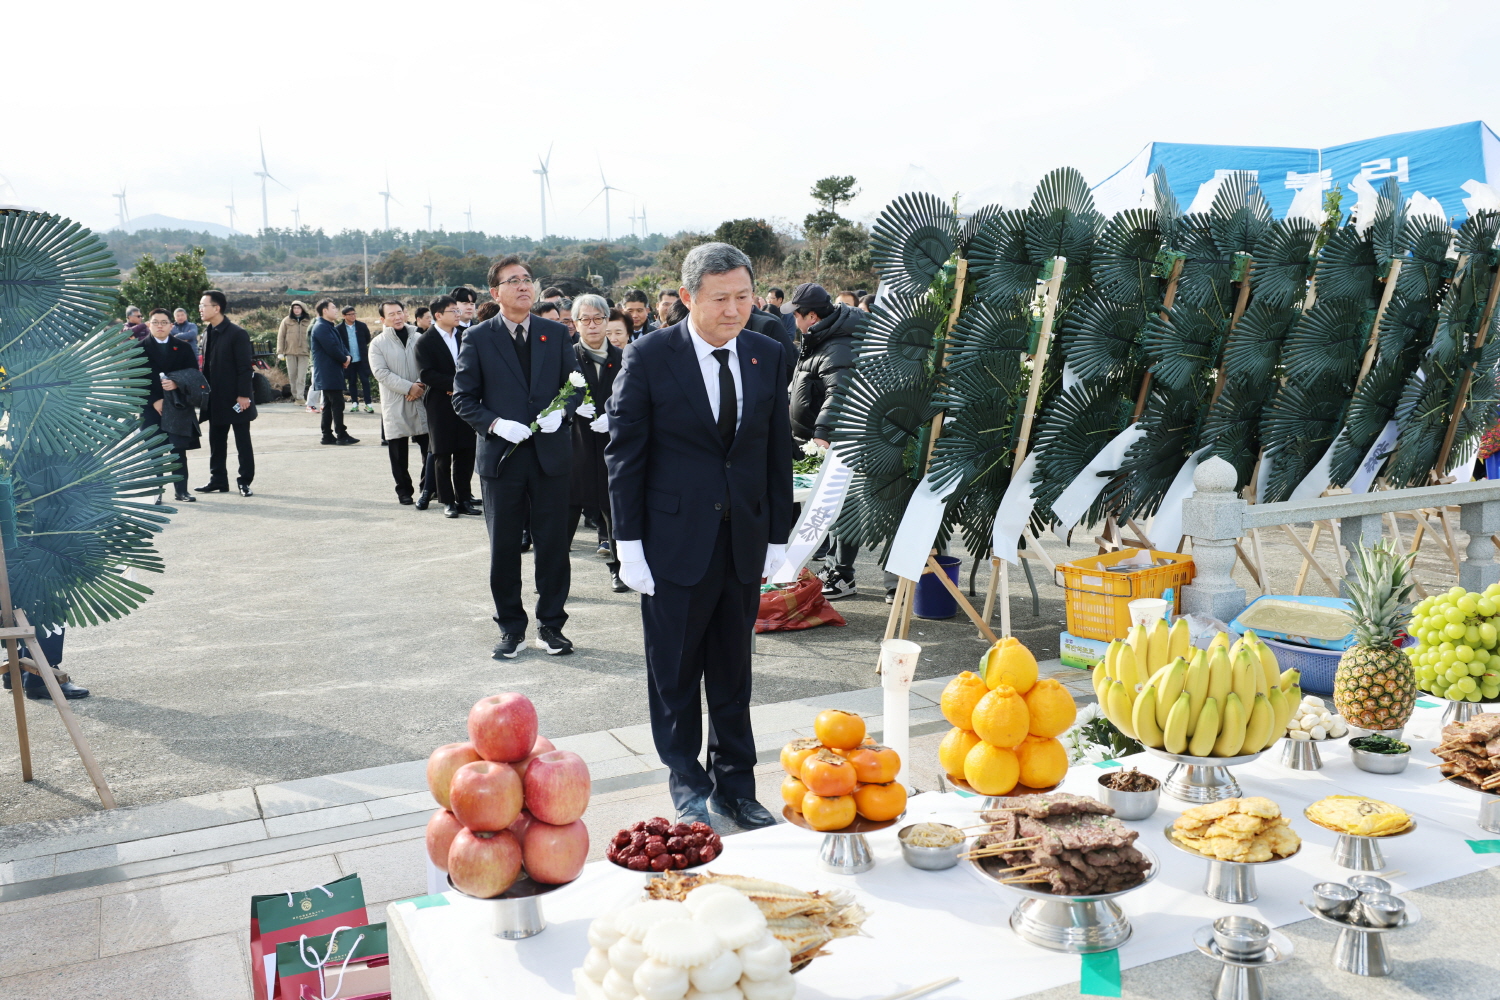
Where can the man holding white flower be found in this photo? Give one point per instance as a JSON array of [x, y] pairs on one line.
[[518, 385]]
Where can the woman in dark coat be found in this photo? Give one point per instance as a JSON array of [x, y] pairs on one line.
[[167, 354], [599, 360]]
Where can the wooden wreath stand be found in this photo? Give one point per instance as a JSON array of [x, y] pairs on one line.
[[14, 628]]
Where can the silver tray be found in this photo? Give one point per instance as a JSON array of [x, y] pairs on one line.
[[844, 851], [1074, 924], [1360, 852], [1201, 780], [1227, 881]]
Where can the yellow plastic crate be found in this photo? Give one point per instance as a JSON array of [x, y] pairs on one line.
[[1099, 601]]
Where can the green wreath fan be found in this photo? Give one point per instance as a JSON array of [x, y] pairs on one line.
[[911, 241]]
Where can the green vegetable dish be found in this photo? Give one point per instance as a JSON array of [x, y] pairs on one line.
[[1379, 744]]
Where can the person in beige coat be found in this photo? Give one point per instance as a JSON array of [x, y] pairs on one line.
[[291, 347], [393, 362]]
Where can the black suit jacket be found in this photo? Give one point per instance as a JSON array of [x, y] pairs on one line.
[[227, 365], [448, 432], [489, 384], [590, 483], [769, 326], [669, 474], [361, 337]]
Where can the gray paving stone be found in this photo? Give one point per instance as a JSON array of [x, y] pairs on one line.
[[47, 938], [26, 869], [635, 738], [398, 805], [593, 747], [114, 826], [774, 741], [206, 969], [190, 842], [613, 768], [287, 797], [319, 819], [931, 688]]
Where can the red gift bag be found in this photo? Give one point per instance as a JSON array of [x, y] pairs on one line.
[[352, 963], [796, 606], [288, 916]]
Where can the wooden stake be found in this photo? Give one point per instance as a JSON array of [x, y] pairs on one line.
[[13, 653], [1166, 307], [1039, 359], [1385, 300], [1468, 376], [1239, 311], [989, 594]]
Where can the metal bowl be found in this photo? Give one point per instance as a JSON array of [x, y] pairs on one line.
[[1129, 805], [1380, 763], [931, 859]]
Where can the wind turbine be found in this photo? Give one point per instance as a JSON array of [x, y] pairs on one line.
[[124, 215], [230, 206], [605, 190], [545, 184], [463, 244], [632, 217], [644, 231], [297, 216], [264, 173], [386, 194], [428, 206]]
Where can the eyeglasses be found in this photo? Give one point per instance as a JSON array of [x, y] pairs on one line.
[[514, 282], [590, 320]]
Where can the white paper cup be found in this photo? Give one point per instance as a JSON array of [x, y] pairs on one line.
[[1147, 611]]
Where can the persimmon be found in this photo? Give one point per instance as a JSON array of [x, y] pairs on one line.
[[792, 792], [874, 764], [828, 812], [795, 752], [826, 773], [880, 802], [838, 729]]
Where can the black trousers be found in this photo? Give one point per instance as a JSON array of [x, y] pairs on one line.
[[333, 413], [218, 451], [150, 418], [452, 474], [358, 372], [398, 452], [606, 531], [701, 634], [521, 481]]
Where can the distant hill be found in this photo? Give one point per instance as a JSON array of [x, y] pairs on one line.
[[167, 222]]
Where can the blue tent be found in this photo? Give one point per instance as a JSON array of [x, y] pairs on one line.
[[1457, 166]]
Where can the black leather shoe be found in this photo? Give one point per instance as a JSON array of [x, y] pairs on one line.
[[453, 510], [525, 539], [70, 691], [183, 496], [470, 507], [424, 500], [509, 645], [245, 490], [695, 810], [553, 641], [346, 439], [406, 499], [616, 584], [329, 439], [213, 488], [746, 813]]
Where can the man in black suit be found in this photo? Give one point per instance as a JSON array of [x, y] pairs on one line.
[[451, 442], [356, 336], [227, 360], [510, 368], [167, 355], [700, 482]]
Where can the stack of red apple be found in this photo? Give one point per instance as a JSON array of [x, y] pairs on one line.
[[510, 799]]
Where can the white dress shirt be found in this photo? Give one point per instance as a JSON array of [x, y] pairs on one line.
[[709, 365], [451, 339]]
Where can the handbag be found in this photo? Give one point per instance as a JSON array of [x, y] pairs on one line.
[[289, 916], [352, 963]]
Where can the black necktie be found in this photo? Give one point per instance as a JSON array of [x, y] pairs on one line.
[[523, 353], [727, 404]]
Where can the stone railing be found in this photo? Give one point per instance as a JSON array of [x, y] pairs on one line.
[[1217, 519]]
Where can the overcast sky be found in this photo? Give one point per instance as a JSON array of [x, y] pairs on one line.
[[699, 112]]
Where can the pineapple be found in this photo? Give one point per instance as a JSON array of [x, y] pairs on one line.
[[1375, 686]]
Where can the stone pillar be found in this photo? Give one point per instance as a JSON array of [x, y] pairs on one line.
[[1364, 528], [1214, 516], [1479, 569]]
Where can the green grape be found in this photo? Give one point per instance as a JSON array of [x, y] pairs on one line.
[[1453, 630], [1468, 604], [1454, 673], [1488, 634], [1473, 696], [1445, 646], [1493, 590], [1476, 669], [1463, 653], [1490, 693], [1471, 635], [1434, 637], [1454, 615], [1439, 686], [1482, 656], [1456, 592], [1466, 684], [1487, 607]]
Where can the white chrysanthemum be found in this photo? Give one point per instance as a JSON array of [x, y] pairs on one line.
[[576, 378]]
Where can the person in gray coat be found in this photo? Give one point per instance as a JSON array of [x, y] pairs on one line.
[[393, 361]]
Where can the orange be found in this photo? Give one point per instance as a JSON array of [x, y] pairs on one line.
[[1001, 717], [826, 773], [879, 802], [792, 791], [874, 764], [1043, 760], [954, 748], [1052, 708], [1009, 662], [838, 729], [828, 813], [960, 696], [991, 770], [795, 752]]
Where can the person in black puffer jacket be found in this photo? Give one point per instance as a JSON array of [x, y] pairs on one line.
[[827, 355]]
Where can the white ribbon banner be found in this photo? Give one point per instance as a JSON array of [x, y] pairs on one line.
[[1166, 529], [1318, 478], [1365, 476], [919, 527], [1082, 492], [818, 515], [1014, 512]]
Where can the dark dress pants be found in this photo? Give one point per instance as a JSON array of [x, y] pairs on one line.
[[453, 473], [218, 451], [606, 531], [333, 414], [356, 374], [701, 634], [150, 418], [506, 496], [399, 452]]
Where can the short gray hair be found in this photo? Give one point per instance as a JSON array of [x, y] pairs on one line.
[[712, 258], [590, 301]]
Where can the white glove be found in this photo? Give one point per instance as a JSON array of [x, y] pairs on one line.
[[633, 569], [586, 410], [549, 422], [775, 556], [510, 430], [600, 424]]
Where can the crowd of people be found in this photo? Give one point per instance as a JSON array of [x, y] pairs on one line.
[[669, 426]]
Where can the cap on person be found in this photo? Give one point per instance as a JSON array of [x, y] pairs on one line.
[[809, 297]]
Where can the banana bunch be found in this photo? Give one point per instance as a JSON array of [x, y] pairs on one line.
[[1224, 701]]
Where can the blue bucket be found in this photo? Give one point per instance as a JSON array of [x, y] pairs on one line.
[[933, 599]]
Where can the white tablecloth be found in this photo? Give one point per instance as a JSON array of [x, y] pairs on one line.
[[930, 925]]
